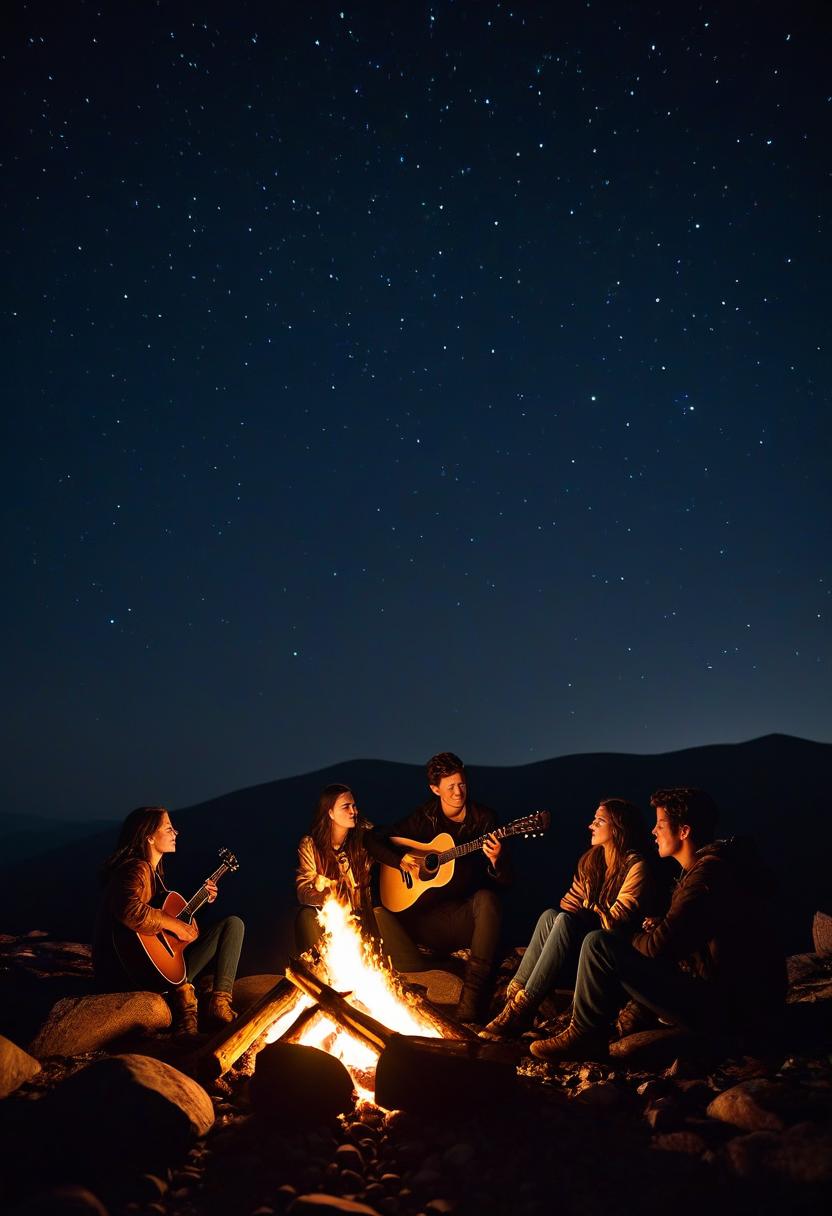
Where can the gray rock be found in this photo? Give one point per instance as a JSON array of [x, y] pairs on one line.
[[77, 1025], [15, 1067], [132, 1109], [749, 1156], [296, 1087], [62, 1201], [680, 1142], [804, 1153], [757, 1105], [319, 1204], [822, 933]]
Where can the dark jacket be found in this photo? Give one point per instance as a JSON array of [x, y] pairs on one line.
[[721, 927], [124, 905], [470, 872]]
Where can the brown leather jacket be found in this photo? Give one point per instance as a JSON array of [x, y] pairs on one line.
[[124, 903]]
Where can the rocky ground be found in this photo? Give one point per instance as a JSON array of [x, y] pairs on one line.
[[122, 1130]]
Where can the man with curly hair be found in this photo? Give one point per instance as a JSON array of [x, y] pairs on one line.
[[466, 912]]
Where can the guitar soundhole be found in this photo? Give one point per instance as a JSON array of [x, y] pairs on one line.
[[162, 937], [431, 863]]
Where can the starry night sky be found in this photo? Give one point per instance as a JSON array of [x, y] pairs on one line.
[[401, 377]]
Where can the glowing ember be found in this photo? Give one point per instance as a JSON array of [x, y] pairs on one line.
[[354, 970]]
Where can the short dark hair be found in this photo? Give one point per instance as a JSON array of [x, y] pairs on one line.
[[686, 805], [443, 764]]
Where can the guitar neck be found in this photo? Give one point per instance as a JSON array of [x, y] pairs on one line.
[[195, 903], [471, 846]]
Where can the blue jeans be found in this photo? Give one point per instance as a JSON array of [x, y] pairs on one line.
[[552, 952], [222, 942], [611, 971]]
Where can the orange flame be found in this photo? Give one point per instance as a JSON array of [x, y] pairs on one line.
[[356, 971]]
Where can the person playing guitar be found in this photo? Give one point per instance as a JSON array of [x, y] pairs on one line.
[[466, 911], [133, 881]]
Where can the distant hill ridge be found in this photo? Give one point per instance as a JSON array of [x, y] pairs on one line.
[[774, 787]]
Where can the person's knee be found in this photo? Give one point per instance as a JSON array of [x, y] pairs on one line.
[[235, 924], [596, 944], [485, 903]]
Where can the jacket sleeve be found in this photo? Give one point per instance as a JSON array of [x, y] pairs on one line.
[[687, 925], [131, 888], [627, 909], [575, 898], [377, 840], [306, 874]]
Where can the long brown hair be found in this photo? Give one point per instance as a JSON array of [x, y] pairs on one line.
[[627, 845], [321, 833], [132, 839]]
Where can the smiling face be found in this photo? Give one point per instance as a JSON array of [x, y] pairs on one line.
[[669, 840], [163, 839], [600, 831], [452, 792], [344, 812]]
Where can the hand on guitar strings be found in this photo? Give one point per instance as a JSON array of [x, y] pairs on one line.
[[182, 930], [492, 847]]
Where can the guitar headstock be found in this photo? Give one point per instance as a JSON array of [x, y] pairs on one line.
[[229, 860], [534, 824]]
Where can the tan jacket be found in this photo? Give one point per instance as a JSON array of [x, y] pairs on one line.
[[310, 866], [124, 901], [629, 907]]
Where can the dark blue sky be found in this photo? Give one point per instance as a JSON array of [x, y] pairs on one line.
[[392, 378]]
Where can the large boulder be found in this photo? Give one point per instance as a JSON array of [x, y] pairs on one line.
[[130, 1110], [822, 933], [296, 1086], [758, 1105], [15, 1067], [77, 1025], [249, 988]]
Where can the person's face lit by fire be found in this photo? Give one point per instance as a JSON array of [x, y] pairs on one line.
[[163, 839], [452, 792], [344, 812], [669, 841], [599, 829]]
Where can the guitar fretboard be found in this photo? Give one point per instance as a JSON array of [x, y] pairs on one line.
[[195, 903], [462, 850]]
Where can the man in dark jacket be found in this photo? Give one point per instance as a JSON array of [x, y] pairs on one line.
[[465, 912], [711, 963]]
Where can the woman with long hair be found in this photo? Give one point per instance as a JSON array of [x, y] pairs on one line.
[[335, 859], [133, 884], [611, 890]]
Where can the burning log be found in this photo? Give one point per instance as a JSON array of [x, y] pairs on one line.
[[224, 1049], [362, 1025], [447, 1028], [426, 1075], [292, 1033]]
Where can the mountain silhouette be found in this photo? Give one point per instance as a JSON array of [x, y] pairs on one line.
[[774, 788]]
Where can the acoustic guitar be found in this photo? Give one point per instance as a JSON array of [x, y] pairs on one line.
[[156, 960], [400, 890]]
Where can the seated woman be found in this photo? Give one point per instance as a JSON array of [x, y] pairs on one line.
[[133, 879], [611, 890], [334, 857]]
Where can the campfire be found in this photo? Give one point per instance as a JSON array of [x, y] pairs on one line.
[[355, 972], [343, 1000]]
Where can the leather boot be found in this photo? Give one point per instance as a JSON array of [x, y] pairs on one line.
[[473, 990], [183, 1007], [219, 1011], [573, 1044], [515, 1016]]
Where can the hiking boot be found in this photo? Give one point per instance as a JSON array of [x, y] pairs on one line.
[[573, 1044], [183, 1007], [219, 1011], [515, 1016], [472, 996], [632, 1018]]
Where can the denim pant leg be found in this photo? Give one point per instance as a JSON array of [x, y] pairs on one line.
[[610, 971], [554, 946], [223, 943]]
